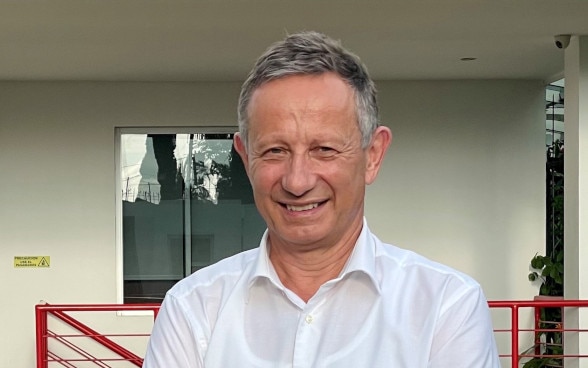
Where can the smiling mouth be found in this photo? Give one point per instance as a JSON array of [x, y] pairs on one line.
[[302, 208]]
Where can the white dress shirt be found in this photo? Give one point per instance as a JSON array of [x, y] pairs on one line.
[[389, 308]]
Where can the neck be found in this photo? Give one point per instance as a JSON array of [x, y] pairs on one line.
[[303, 271]]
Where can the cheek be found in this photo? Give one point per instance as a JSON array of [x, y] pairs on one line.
[[345, 173], [264, 177]]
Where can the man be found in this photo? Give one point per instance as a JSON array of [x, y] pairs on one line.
[[321, 290]]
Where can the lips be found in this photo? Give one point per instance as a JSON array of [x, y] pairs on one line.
[[301, 208]]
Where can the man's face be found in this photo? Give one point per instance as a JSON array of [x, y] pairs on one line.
[[305, 161]]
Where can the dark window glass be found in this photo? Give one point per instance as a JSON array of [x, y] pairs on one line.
[[186, 203]]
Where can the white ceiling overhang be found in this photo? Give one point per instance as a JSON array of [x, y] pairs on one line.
[[218, 40]]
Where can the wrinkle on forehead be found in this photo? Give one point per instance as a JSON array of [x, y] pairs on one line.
[[291, 101]]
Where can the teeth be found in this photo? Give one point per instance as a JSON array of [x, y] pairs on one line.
[[302, 208]]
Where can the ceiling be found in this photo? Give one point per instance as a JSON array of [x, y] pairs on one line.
[[218, 40]]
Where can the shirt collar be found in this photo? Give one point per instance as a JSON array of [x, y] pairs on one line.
[[362, 260], [263, 267]]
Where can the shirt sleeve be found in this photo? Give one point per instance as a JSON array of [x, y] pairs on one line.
[[464, 336], [173, 342]]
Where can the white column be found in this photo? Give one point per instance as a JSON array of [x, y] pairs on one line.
[[576, 193]]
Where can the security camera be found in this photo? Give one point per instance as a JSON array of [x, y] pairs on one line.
[[562, 41]]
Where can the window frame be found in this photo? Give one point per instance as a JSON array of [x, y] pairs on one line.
[[119, 131]]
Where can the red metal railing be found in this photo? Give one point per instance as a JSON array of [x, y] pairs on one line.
[[518, 354], [66, 341]]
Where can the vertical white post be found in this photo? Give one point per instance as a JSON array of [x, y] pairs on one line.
[[576, 194]]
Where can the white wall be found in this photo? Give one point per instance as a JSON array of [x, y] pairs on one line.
[[463, 182], [465, 178]]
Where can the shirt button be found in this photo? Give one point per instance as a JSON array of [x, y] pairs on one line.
[[309, 319]]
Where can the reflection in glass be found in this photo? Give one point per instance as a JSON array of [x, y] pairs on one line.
[[187, 203]]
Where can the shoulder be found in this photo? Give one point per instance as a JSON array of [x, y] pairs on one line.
[[397, 266], [216, 278], [407, 260], [191, 307], [446, 303]]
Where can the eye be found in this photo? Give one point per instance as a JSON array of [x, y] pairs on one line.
[[275, 150], [325, 151]]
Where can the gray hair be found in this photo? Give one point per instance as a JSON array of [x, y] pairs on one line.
[[313, 53]]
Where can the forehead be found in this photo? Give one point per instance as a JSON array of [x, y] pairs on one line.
[[303, 109], [310, 92]]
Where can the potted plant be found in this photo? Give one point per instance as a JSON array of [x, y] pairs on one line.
[[548, 345]]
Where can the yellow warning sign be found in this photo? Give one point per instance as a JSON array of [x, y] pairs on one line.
[[32, 261]]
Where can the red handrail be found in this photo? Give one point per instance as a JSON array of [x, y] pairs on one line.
[[80, 351], [44, 356], [516, 305], [58, 310], [103, 340]]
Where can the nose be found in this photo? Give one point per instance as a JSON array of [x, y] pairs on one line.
[[298, 178]]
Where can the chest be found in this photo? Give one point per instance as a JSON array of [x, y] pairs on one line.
[[350, 325]]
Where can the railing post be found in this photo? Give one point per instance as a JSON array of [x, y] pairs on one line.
[[537, 338], [515, 336], [41, 337]]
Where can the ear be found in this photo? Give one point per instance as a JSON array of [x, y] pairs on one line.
[[241, 150], [376, 151]]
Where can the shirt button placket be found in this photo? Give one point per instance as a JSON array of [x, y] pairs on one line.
[[303, 348]]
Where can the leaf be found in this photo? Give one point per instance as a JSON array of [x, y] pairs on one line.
[[537, 262], [553, 272]]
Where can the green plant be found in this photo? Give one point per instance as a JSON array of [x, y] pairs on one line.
[[549, 268], [543, 362]]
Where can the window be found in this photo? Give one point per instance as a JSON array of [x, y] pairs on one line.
[[184, 203], [554, 112], [555, 127]]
